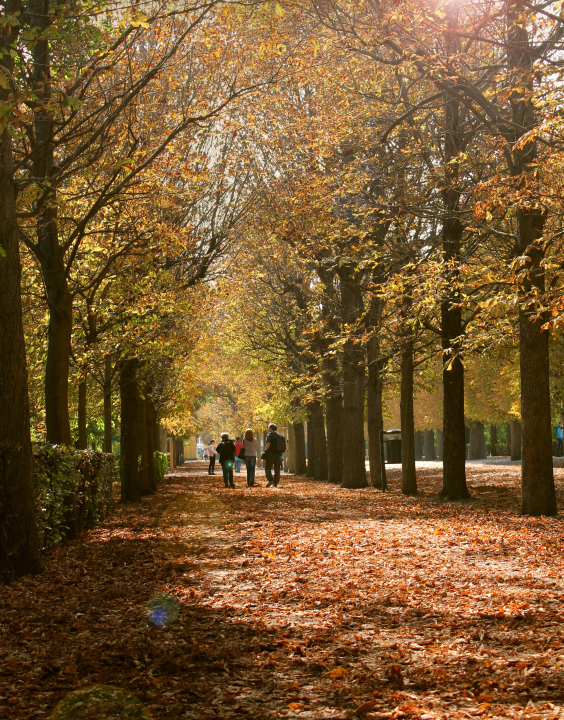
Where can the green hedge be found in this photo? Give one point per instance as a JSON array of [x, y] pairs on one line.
[[161, 464], [73, 490]]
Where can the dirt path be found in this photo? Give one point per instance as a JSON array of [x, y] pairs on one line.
[[303, 601]]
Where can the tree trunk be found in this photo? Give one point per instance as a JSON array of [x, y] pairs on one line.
[[419, 445], [334, 419], [439, 444], [48, 250], [477, 441], [354, 465], [454, 430], [149, 417], [429, 444], [508, 443], [142, 443], [408, 478], [374, 415], [108, 405], [130, 490], [493, 440], [310, 472], [320, 443], [82, 436], [299, 440], [515, 440], [19, 546], [291, 450]]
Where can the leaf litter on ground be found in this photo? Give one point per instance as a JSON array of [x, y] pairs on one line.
[[303, 601]]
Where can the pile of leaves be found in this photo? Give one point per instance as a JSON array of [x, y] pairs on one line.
[[304, 601], [73, 490]]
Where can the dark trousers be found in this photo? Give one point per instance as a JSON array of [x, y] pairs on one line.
[[211, 468], [251, 463], [272, 462], [559, 447], [227, 467]]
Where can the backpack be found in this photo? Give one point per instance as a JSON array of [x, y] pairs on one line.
[[278, 444]]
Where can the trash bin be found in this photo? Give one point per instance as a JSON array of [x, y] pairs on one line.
[[393, 447]]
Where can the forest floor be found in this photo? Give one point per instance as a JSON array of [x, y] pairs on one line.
[[304, 601]]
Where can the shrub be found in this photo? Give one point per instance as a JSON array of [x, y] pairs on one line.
[[161, 464], [73, 490]]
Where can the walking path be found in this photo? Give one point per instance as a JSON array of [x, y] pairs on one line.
[[305, 601]]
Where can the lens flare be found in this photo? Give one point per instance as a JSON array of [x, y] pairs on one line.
[[162, 609], [100, 702]]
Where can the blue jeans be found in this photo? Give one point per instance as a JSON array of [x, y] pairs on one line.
[[251, 463], [238, 462]]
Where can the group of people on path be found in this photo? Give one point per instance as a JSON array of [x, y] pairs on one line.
[[232, 453]]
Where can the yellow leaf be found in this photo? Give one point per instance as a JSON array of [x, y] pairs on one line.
[[338, 672]]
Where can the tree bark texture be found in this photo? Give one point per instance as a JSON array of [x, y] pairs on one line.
[[429, 444], [419, 444], [538, 496], [516, 440], [142, 443], [291, 450], [508, 435], [108, 405], [299, 441], [477, 449], [354, 467], [49, 253], [310, 471], [493, 440], [374, 414], [19, 547], [150, 422], [334, 420], [130, 489], [408, 477], [320, 443], [82, 436]]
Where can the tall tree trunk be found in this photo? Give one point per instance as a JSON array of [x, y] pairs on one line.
[[82, 436], [19, 546], [291, 450], [493, 440], [516, 440], [129, 471], [508, 439], [439, 444], [299, 440], [408, 477], [477, 441], [354, 465], [310, 472], [334, 420], [108, 404], [142, 443], [429, 444], [374, 414], [419, 445], [149, 417], [48, 250], [320, 443], [454, 430]]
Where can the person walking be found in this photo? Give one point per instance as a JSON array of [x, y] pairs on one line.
[[212, 452], [250, 444], [238, 461], [274, 448], [226, 452], [559, 440]]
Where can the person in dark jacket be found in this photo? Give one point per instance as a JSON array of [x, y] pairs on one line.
[[272, 457], [226, 452]]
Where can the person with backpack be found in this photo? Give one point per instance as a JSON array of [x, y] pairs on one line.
[[275, 446], [226, 452]]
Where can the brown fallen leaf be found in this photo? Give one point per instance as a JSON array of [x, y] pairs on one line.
[[365, 707]]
